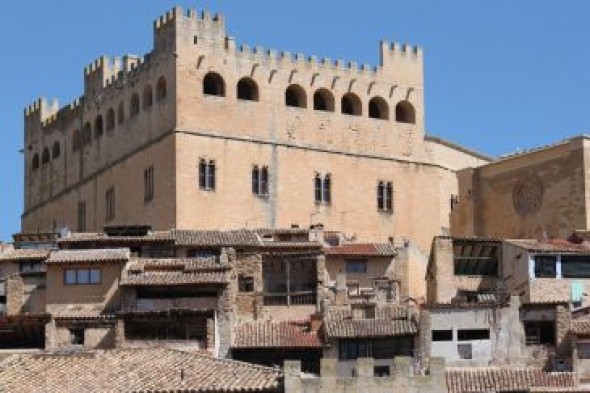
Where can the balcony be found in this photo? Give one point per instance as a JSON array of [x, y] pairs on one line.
[[162, 305]]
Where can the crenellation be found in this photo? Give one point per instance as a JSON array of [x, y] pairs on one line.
[[41, 109]]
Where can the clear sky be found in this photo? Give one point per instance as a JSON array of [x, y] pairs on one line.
[[500, 75]]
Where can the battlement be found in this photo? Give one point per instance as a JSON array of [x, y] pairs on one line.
[[41, 109], [97, 73], [177, 12]]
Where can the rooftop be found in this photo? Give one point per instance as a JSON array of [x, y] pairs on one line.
[[388, 321], [362, 249], [93, 255], [269, 334]]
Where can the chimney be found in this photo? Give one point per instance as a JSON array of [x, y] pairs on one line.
[[315, 322], [316, 233]]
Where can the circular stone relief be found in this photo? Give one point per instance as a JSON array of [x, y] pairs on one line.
[[527, 196]]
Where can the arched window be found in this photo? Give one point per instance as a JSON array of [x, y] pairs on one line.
[[161, 89], [323, 100], [98, 126], [35, 163], [295, 96], [378, 108], [351, 104], [110, 119], [87, 133], [56, 149], [213, 85], [255, 180], [76, 140], [148, 97], [247, 89], [134, 105], [121, 113], [45, 156], [405, 113]]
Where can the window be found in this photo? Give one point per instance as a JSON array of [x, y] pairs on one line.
[[323, 100], [120, 113], [207, 174], [539, 332], [295, 97], [405, 113], [87, 134], [77, 336], [352, 349], [545, 266], [369, 312], [442, 335], [148, 97], [378, 108], [454, 201], [30, 266], [134, 105], [45, 156], [245, 283], [464, 351], [385, 196], [81, 216], [82, 276], [473, 334], [213, 85], [351, 105], [575, 266], [35, 161], [381, 371], [323, 188], [56, 150], [98, 126], [110, 119], [583, 350], [247, 90], [76, 140], [148, 184], [260, 181], [376, 348], [110, 204], [161, 89], [356, 266]]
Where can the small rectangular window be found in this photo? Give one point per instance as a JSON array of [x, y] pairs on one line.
[[473, 334], [545, 266], [245, 283], [323, 188], [442, 335], [464, 351], [95, 276], [77, 336], [207, 174], [385, 196], [70, 276], [83, 276], [356, 266]]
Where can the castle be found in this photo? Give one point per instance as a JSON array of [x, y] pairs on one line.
[[202, 133]]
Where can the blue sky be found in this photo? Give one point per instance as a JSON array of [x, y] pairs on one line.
[[499, 75]]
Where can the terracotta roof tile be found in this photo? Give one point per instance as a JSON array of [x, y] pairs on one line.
[[495, 379], [269, 334], [362, 249], [178, 278], [580, 328], [21, 253], [87, 311], [93, 255], [176, 271], [154, 369], [552, 246], [88, 237], [389, 321]]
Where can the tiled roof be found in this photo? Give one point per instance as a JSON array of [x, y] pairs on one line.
[[20, 254], [389, 321], [90, 311], [154, 369], [292, 245], [176, 271], [218, 238], [494, 379], [581, 328], [269, 334], [281, 231], [552, 246], [93, 255], [88, 237], [362, 249]]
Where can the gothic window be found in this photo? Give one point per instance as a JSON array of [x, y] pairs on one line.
[[207, 174], [323, 188], [247, 89], [76, 140], [385, 196], [134, 105], [121, 113], [110, 204], [213, 85], [87, 134], [295, 96], [351, 105], [148, 97], [405, 113], [110, 119], [323, 100], [35, 162], [56, 149], [98, 126], [378, 108], [260, 180], [148, 184], [161, 89], [45, 156]]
